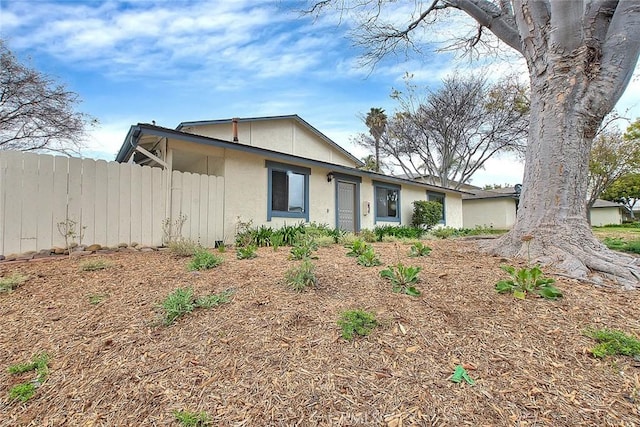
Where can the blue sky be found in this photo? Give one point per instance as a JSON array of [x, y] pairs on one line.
[[174, 61]]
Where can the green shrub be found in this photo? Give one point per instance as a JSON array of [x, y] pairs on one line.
[[204, 260], [527, 280], [10, 283], [276, 240], [613, 342], [300, 277], [94, 265], [324, 241], [356, 322], [419, 249], [291, 233], [303, 248], [192, 419], [184, 247], [357, 248], [262, 236], [182, 301], [402, 278], [426, 214], [615, 243], [368, 258], [368, 236], [246, 252], [399, 231]]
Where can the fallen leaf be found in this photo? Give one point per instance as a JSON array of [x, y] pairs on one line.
[[412, 349], [402, 329]]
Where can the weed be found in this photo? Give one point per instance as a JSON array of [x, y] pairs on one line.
[[400, 231], [301, 277], [67, 230], [25, 391], [613, 342], [10, 283], [358, 247], [444, 232], [192, 419], [356, 322], [222, 248], [368, 236], [177, 304], [214, 300], [94, 265], [303, 248], [184, 247], [204, 260], [97, 299], [527, 280], [22, 391], [402, 278], [368, 258], [324, 241], [172, 230], [246, 252], [419, 249], [277, 240]]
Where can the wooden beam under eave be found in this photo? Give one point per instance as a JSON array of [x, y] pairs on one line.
[[152, 156]]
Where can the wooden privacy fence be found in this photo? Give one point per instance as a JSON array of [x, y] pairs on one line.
[[110, 203]]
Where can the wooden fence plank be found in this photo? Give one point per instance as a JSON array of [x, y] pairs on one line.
[[135, 218], [74, 197], [159, 200], [46, 227], [113, 204], [59, 204], [88, 201], [29, 196], [13, 200], [101, 199], [124, 215], [203, 213]]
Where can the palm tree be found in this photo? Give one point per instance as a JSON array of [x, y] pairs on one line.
[[376, 121]]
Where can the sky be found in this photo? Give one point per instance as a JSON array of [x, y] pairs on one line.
[[171, 61]]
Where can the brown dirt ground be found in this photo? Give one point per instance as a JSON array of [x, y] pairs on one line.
[[273, 357]]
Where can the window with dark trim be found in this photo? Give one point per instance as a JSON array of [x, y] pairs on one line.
[[387, 204], [440, 198], [288, 189]]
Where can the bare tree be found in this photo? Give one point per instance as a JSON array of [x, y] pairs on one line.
[[580, 55], [450, 133], [36, 113]]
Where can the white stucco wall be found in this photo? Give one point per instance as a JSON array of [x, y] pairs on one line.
[[604, 216], [497, 213]]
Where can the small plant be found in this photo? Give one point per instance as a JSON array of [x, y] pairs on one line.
[[68, 231], [356, 322], [94, 265], [444, 232], [262, 236], [367, 235], [368, 258], [182, 302], [25, 391], [419, 249], [10, 283], [303, 248], [246, 252], [357, 248], [97, 298], [222, 248], [291, 233], [527, 280], [402, 278], [183, 247], [204, 260], [613, 342], [301, 277], [277, 240], [192, 419], [172, 230]]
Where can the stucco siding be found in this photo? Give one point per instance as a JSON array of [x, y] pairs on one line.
[[604, 216], [496, 213]]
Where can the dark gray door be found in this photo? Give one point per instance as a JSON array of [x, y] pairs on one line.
[[347, 208]]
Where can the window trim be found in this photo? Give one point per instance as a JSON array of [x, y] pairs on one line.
[[444, 204], [387, 186], [283, 167]]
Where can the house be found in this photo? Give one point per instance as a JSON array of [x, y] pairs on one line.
[[497, 208], [276, 170]]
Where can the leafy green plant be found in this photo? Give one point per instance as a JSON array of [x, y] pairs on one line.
[[303, 248], [357, 247], [192, 419], [399, 231], [97, 298], [419, 249], [262, 236], [94, 265], [204, 260], [25, 391], [402, 278], [324, 241], [444, 232], [246, 252], [426, 214], [356, 322], [222, 248], [527, 280], [10, 283], [613, 342], [291, 233], [277, 240], [182, 301], [368, 258], [300, 277], [183, 247]]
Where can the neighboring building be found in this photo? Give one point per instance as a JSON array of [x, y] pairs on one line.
[[497, 208], [281, 170]]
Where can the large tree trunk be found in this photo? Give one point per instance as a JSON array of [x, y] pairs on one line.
[[551, 225]]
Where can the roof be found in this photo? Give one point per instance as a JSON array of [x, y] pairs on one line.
[[606, 204], [433, 178], [137, 131], [496, 193], [293, 117]]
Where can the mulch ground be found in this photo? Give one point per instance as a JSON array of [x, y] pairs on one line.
[[273, 357]]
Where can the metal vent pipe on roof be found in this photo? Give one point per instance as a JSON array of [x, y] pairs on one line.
[[234, 124]]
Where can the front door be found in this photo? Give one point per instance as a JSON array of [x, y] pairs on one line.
[[347, 207]]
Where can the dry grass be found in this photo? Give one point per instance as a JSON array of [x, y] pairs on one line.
[[275, 357]]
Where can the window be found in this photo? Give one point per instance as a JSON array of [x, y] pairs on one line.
[[288, 191], [387, 202], [437, 197]]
